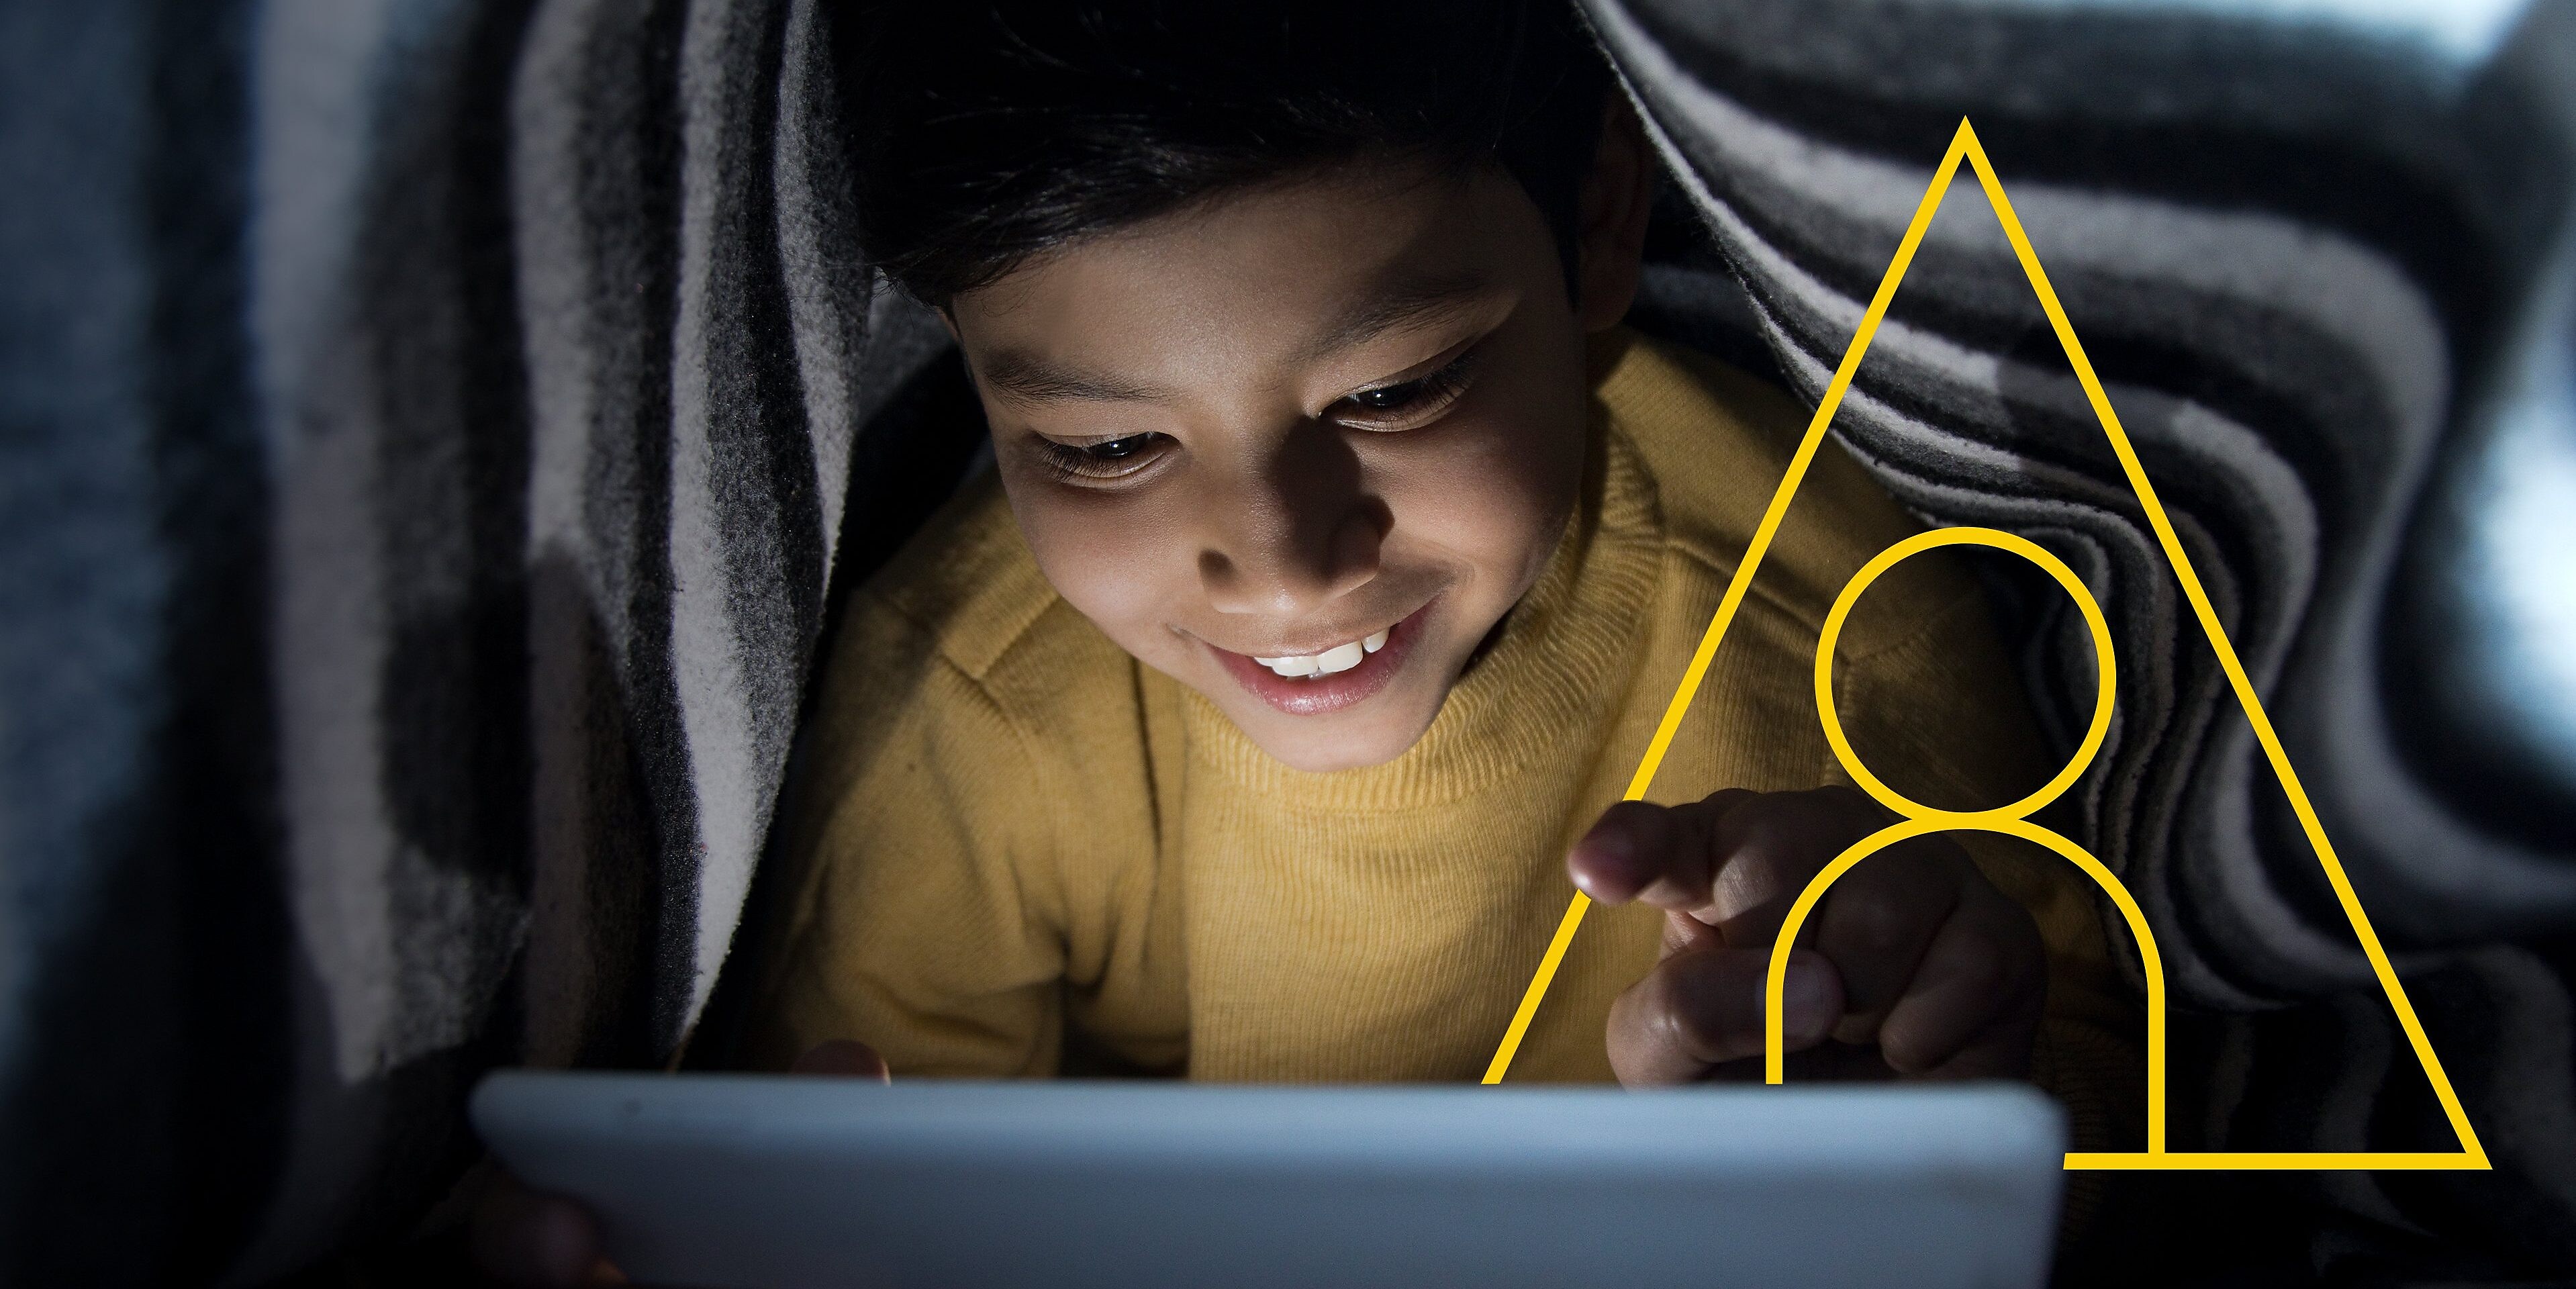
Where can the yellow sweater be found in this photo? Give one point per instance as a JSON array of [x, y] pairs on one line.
[[1013, 841]]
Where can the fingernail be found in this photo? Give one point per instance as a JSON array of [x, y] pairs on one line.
[[1806, 1001], [1609, 843], [1599, 846]]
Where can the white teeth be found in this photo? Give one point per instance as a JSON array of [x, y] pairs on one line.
[[1339, 658]]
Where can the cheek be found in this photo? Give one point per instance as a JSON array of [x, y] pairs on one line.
[[1493, 491], [1110, 562]]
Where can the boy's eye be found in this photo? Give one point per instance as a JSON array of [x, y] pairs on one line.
[[1408, 403], [1106, 459], [1388, 398], [1117, 449]]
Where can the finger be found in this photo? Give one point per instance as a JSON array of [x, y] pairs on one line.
[[1695, 1011], [1770, 847], [1976, 999], [1639, 851], [843, 1058], [1686, 934], [523, 1237], [1877, 922]]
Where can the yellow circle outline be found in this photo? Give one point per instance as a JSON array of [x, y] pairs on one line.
[[1917, 819], [1890, 558], [1964, 147]]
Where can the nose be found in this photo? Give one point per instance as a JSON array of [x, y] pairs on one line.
[[1293, 534]]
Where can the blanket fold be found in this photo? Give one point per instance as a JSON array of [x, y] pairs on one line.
[[2320, 262], [432, 432]]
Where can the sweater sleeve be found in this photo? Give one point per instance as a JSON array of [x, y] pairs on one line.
[[922, 920], [1937, 714]]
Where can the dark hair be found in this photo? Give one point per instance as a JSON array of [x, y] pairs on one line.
[[984, 133]]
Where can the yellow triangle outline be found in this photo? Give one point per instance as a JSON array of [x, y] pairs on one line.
[[1918, 819]]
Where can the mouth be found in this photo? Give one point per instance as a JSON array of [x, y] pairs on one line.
[[1331, 679]]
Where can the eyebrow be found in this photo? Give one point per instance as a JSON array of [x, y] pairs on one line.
[[1403, 305], [1026, 377], [1029, 378]]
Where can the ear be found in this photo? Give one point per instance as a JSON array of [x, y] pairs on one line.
[[1610, 242]]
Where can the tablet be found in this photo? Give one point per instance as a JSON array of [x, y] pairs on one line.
[[796, 1183]]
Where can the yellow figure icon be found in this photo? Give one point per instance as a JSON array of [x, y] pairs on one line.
[[1916, 819]]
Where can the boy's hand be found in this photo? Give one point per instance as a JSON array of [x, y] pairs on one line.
[[525, 1237], [1914, 965]]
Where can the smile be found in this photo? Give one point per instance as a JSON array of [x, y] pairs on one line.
[[1339, 658], [1332, 679]]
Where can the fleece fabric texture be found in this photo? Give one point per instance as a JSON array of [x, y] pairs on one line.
[[2324, 259], [429, 429], [1015, 839]]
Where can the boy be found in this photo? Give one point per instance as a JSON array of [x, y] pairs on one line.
[[1339, 555]]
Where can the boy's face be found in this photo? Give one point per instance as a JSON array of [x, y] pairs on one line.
[[1332, 427]]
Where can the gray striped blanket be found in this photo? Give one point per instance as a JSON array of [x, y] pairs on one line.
[[432, 431], [2324, 256]]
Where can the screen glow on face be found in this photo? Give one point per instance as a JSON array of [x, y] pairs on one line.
[[1299, 449]]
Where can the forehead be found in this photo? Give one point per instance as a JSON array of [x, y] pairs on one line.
[[1275, 273]]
